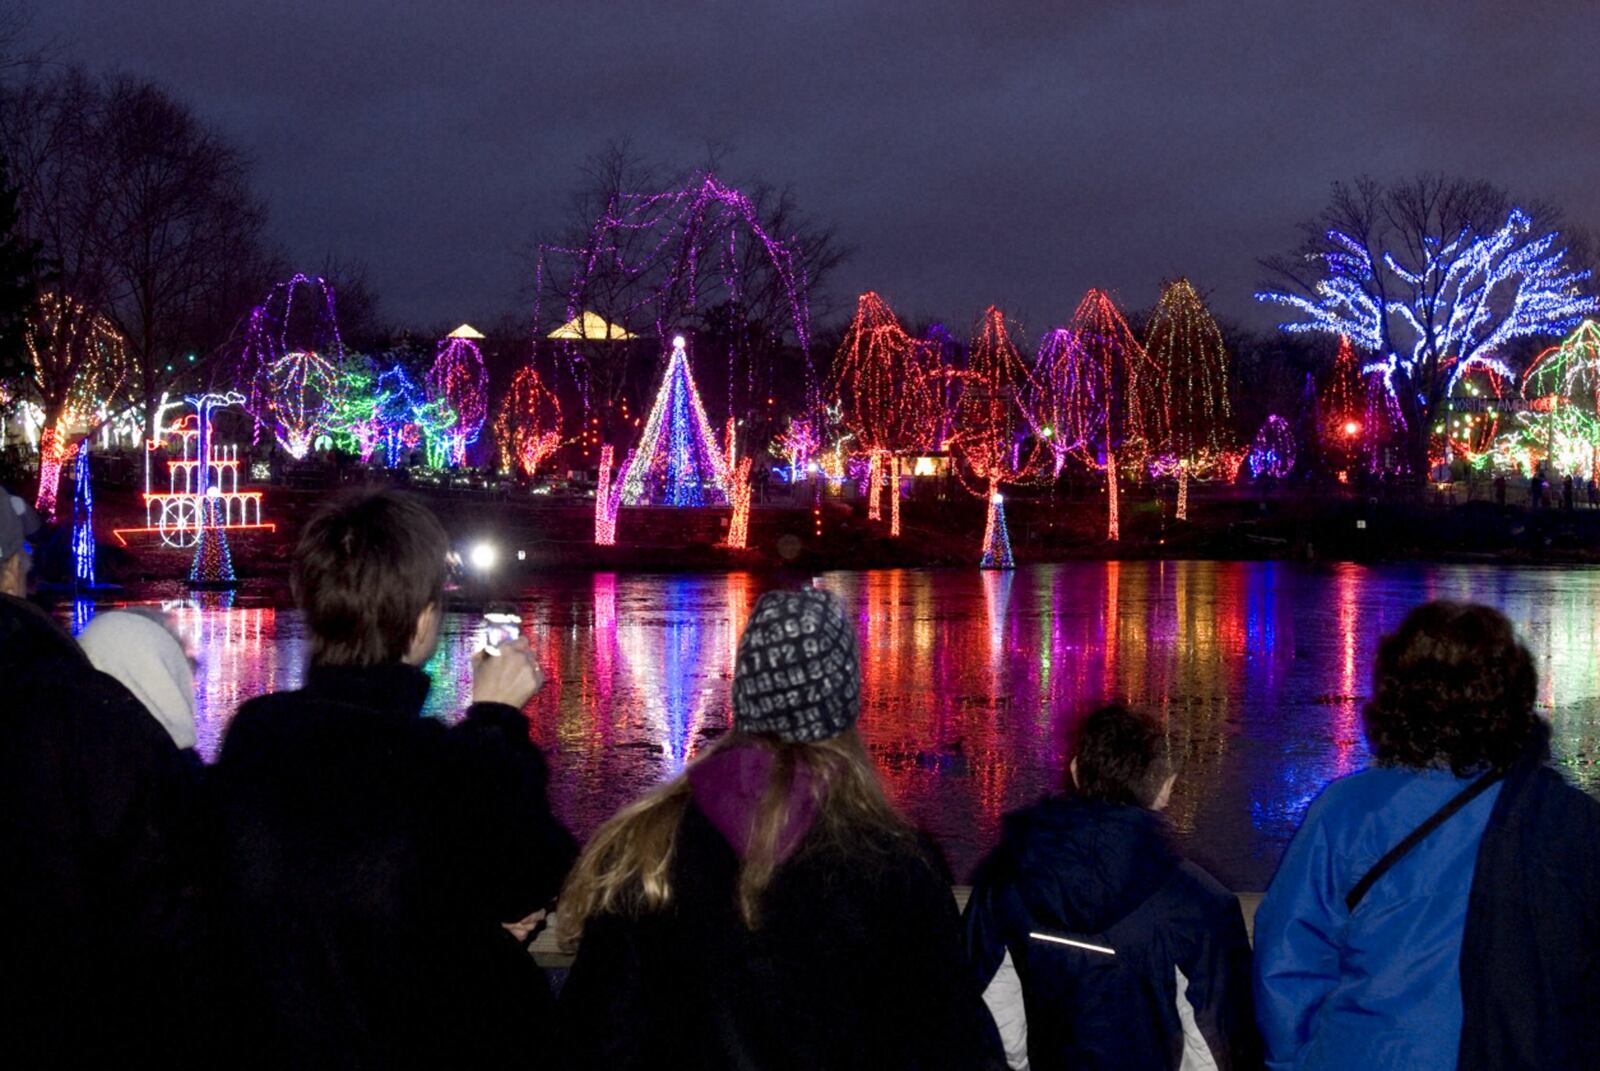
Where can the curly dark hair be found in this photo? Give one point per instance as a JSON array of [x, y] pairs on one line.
[[1453, 686], [1121, 756]]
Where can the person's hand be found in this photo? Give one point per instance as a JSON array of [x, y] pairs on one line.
[[512, 677]]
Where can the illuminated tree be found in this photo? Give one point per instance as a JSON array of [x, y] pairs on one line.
[[678, 461], [293, 359], [459, 380], [527, 428], [1056, 368], [880, 384], [1107, 388], [1562, 421], [1433, 277], [797, 445], [1195, 426], [1272, 452], [76, 367], [995, 443], [1343, 408]]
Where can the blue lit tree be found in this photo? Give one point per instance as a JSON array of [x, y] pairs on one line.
[[1431, 278]]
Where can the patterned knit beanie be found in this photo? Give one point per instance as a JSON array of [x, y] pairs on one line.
[[798, 677]]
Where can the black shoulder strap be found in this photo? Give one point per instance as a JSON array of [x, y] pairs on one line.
[[1437, 819]]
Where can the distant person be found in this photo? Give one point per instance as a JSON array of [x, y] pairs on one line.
[[1594, 493], [1567, 498], [141, 651], [371, 855], [1098, 945], [1442, 909], [99, 859], [1500, 489], [767, 908]]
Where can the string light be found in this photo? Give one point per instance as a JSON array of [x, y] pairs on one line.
[[679, 251], [996, 540], [677, 461], [292, 360], [1561, 422], [76, 365], [605, 511], [739, 523], [1272, 451], [1194, 422], [527, 427], [82, 521], [880, 385], [458, 380], [1467, 297]]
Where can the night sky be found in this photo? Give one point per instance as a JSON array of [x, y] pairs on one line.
[[969, 152]]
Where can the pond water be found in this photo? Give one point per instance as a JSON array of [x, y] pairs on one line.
[[973, 682]]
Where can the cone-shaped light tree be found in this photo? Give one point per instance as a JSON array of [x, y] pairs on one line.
[[677, 461], [1193, 425], [527, 427], [1343, 404], [996, 446], [1111, 409], [75, 370], [880, 379]]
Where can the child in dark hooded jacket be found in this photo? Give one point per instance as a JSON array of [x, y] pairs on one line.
[[1097, 945]]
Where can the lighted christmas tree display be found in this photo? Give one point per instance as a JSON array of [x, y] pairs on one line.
[[1343, 404], [880, 383], [213, 562], [677, 461], [407, 419], [83, 549], [527, 428], [1056, 366], [293, 359], [1192, 424], [459, 381], [353, 419], [995, 443], [996, 540], [76, 366], [1107, 384]]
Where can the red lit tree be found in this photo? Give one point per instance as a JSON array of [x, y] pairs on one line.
[[880, 382], [995, 442], [1110, 386]]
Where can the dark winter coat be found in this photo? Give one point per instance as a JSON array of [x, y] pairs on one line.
[[369, 857], [1530, 952], [97, 870], [856, 964], [1128, 957]]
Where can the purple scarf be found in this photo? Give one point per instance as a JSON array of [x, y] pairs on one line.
[[728, 788]]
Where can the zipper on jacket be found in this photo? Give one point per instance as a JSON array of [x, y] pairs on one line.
[[1086, 946]]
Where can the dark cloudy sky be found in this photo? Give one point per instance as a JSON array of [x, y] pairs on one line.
[[969, 152]]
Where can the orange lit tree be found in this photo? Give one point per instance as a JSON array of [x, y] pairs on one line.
[[75, 369], [995, 443], [880, 382], [527, 427], [1195, 428]]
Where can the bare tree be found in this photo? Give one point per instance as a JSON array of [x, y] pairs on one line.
[[144, 214], [1431, 277]]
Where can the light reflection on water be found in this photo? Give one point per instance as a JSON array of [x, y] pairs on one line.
[[972, 682]]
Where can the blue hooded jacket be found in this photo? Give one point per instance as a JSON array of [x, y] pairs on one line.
[[1379, 987]]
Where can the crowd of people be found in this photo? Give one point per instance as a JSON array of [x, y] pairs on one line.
[[352, 884]]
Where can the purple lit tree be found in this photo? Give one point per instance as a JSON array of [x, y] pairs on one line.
[[293, 357]]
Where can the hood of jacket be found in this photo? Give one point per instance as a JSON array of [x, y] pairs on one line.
[[728, 787], [1083, 865]]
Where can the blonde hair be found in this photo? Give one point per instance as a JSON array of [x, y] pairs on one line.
[[626, 867]]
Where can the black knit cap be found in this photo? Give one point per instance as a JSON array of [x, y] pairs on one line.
[[799, 674]]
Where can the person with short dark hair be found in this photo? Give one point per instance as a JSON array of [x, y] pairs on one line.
[[1097, 944], [1442, 909], [372, 857], [99, 860]]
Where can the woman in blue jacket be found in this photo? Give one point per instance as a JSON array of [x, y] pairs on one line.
[[1359, 942]]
